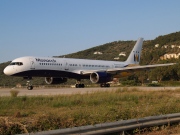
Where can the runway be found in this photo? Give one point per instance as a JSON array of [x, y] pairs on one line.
[[68, 91], [51, 91]]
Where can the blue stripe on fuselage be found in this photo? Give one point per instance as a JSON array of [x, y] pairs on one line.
[[50, 73]]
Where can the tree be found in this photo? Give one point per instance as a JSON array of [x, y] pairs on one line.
[[157, 74], [142, 75]]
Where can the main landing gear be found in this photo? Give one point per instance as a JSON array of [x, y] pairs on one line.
[[29, 85], [104, 85], [78, 84]]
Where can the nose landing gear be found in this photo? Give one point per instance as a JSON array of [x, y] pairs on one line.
[[29, 85]]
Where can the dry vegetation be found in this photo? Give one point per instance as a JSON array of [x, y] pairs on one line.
[[39, 113]]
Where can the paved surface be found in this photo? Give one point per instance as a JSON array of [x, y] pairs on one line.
[[67, 91], [51, 91]]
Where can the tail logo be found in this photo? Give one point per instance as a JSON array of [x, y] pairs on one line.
[[136, 56]]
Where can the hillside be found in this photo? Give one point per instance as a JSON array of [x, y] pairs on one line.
[[110, 51]]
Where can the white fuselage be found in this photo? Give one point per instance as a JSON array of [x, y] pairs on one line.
[[55, 67]]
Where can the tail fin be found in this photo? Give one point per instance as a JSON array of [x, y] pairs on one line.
[[134, 57]]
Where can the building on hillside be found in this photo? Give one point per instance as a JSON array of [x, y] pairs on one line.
[[170, 56], [98, 53], [165, 46], [122, 54], [157, 45], [116, 58], [172, 46]]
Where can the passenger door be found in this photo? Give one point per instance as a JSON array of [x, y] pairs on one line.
[[66, 65], [32, 63]]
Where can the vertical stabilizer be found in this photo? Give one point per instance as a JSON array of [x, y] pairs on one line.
[[134, 57]]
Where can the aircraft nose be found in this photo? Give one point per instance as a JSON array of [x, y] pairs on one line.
[[7, 71]]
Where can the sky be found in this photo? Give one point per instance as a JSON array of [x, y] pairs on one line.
[[59, 27]]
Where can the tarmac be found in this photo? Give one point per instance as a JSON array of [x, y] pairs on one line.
[[69, 91]]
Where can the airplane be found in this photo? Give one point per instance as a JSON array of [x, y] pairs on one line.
[[58, 70]]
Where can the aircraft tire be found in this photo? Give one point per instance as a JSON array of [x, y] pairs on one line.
[[79, 85], [107, 85], [30, 87]]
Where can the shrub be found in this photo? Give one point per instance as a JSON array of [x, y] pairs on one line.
[[130, 83], [154, 85], [14, 93]]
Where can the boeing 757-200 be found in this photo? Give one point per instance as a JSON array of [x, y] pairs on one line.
[[57, 70]]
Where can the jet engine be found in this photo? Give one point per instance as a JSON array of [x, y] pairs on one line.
[[52, 80], [100, 77]]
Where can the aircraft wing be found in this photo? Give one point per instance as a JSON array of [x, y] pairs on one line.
[[126, 69], [87, 72], [137, 68]]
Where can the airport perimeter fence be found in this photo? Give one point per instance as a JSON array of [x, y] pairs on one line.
[[115, 127]]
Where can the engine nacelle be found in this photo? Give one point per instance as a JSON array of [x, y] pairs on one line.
[[51, 80], [100, 77]]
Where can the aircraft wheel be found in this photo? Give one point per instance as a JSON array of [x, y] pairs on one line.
[[79, 85], [30, 87]]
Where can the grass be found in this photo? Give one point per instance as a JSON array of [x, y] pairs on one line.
[[41, 113]]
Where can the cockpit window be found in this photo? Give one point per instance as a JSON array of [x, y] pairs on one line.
[[16, 63]]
